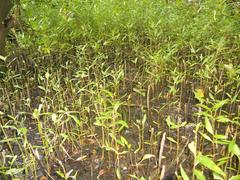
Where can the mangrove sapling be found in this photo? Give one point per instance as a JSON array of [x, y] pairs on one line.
[[110, 77]]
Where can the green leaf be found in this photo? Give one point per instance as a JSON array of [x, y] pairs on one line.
[[133, 176], [42, 88], [112, 135], [206, 137], [116, 105], [207, 162], [122, 123], [222, 161], [217, 176], [144, 119], [36, 114], [77, 121], [22, 131], [206, 108], [147, 156], [220, 104], [221, 141], [54, 117], [223, 119], [192, 148], [169, 122], [228, 67], [13, 171], [118, 173], [60, 174], [208, 126], [98, 123], [199, 174], [183, 173], [125, 142], [172, 140], [139, 91], [10, 139], [47, 75], [233, 148], [220, 136], [69, 173], [237, 177], [3, 58], [199, 94]]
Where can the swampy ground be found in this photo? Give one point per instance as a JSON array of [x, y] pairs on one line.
[[122, 90]]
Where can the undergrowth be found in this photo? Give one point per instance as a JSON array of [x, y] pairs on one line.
[[122, 90]]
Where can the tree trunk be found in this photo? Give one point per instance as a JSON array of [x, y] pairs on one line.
[[5, 7]]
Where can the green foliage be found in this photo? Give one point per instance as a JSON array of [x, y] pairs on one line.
[[207, 162], [102, 80], [61, 24]]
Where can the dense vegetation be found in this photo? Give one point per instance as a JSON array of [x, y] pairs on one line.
[[112, 89]]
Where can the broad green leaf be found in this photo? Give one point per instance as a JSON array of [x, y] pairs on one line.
[[220, 136], [169, 122], [116, 105], [207, 162], [42, 88], [108, 93], [217, 176], [139, 91], [54, 117], [125, 142], [10, 139], [233, 148], [222, 161], [9, 127], [144, 119], [118, 173], [199, 174], [206, 137], [198, 126], [122, 123], [228, 67], [199, 94], [147, 156], [36, 114], [204, 107], [133, 176], [172, 140], [69, 173], [47, 75], [223, 119], [208, 126], [22, 130], [225, 159], [60, 174], [13, 171], [112, 135], [192, 148], [204, 114], [3, 58], [220, 104], [211, 96], [98, 123], [237, 177], [221, 141], [183, 173], [77, 121]]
